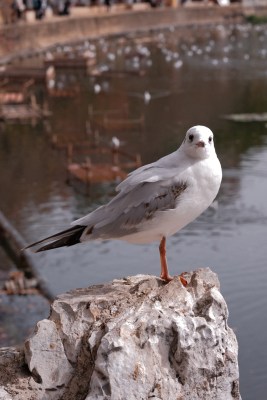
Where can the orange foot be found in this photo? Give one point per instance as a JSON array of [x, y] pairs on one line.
[[183, 280], [166, 277]]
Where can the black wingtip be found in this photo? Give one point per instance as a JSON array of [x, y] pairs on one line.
[[69, 237], [27, 248]]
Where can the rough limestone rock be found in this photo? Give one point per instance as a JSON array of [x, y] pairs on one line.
[[46, 357], [4, 395], [134, 338]]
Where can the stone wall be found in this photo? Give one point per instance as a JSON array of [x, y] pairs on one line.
[[26, 37]]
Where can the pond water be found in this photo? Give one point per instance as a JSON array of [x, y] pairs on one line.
[[194, 76]]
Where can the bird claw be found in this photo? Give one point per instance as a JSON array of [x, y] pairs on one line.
[[183, 280], [166, 278]]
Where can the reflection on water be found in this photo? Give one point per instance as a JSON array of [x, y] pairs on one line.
[[188, 77]]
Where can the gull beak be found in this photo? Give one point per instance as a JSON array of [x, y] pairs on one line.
[[200, 144]]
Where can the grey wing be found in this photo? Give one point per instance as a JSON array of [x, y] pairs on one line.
[[141, 185], [161, 170], [129, 213]]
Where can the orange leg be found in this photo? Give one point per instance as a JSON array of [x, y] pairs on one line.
[[163, 261], [164, 266]]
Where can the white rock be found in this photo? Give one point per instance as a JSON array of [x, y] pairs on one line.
[[182, 349], [46, 357], [132, 339], [4, 395]]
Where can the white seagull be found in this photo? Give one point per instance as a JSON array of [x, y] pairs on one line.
[[154, 201]]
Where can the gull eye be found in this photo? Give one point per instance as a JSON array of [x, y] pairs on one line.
[[210, 139], [191, 138]]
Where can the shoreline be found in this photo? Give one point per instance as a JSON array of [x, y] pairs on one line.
[[24, 38]]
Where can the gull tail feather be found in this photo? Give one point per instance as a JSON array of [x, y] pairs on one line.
[[69, 237]]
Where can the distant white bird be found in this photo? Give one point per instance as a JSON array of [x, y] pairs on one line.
[[111, 56], [178, 64], [154, 201], [49, 56], [147, 97], [89, 54], [97, 88], [115, 142]]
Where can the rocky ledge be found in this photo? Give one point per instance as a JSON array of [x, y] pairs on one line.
[[134, 338]]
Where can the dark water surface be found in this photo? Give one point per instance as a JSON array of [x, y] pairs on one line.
[[194, 77]]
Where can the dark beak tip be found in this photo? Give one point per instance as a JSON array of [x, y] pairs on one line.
[[200, 144]]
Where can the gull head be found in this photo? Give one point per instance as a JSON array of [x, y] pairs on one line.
[[198, 142]]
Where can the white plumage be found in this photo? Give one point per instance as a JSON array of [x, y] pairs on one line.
[[154, 201]]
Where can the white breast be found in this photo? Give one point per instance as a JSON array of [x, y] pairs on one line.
[[204, 179]]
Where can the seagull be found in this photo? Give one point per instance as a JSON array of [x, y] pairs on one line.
[[154, 201], [115, 142], [147, 97], [97, 88]]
